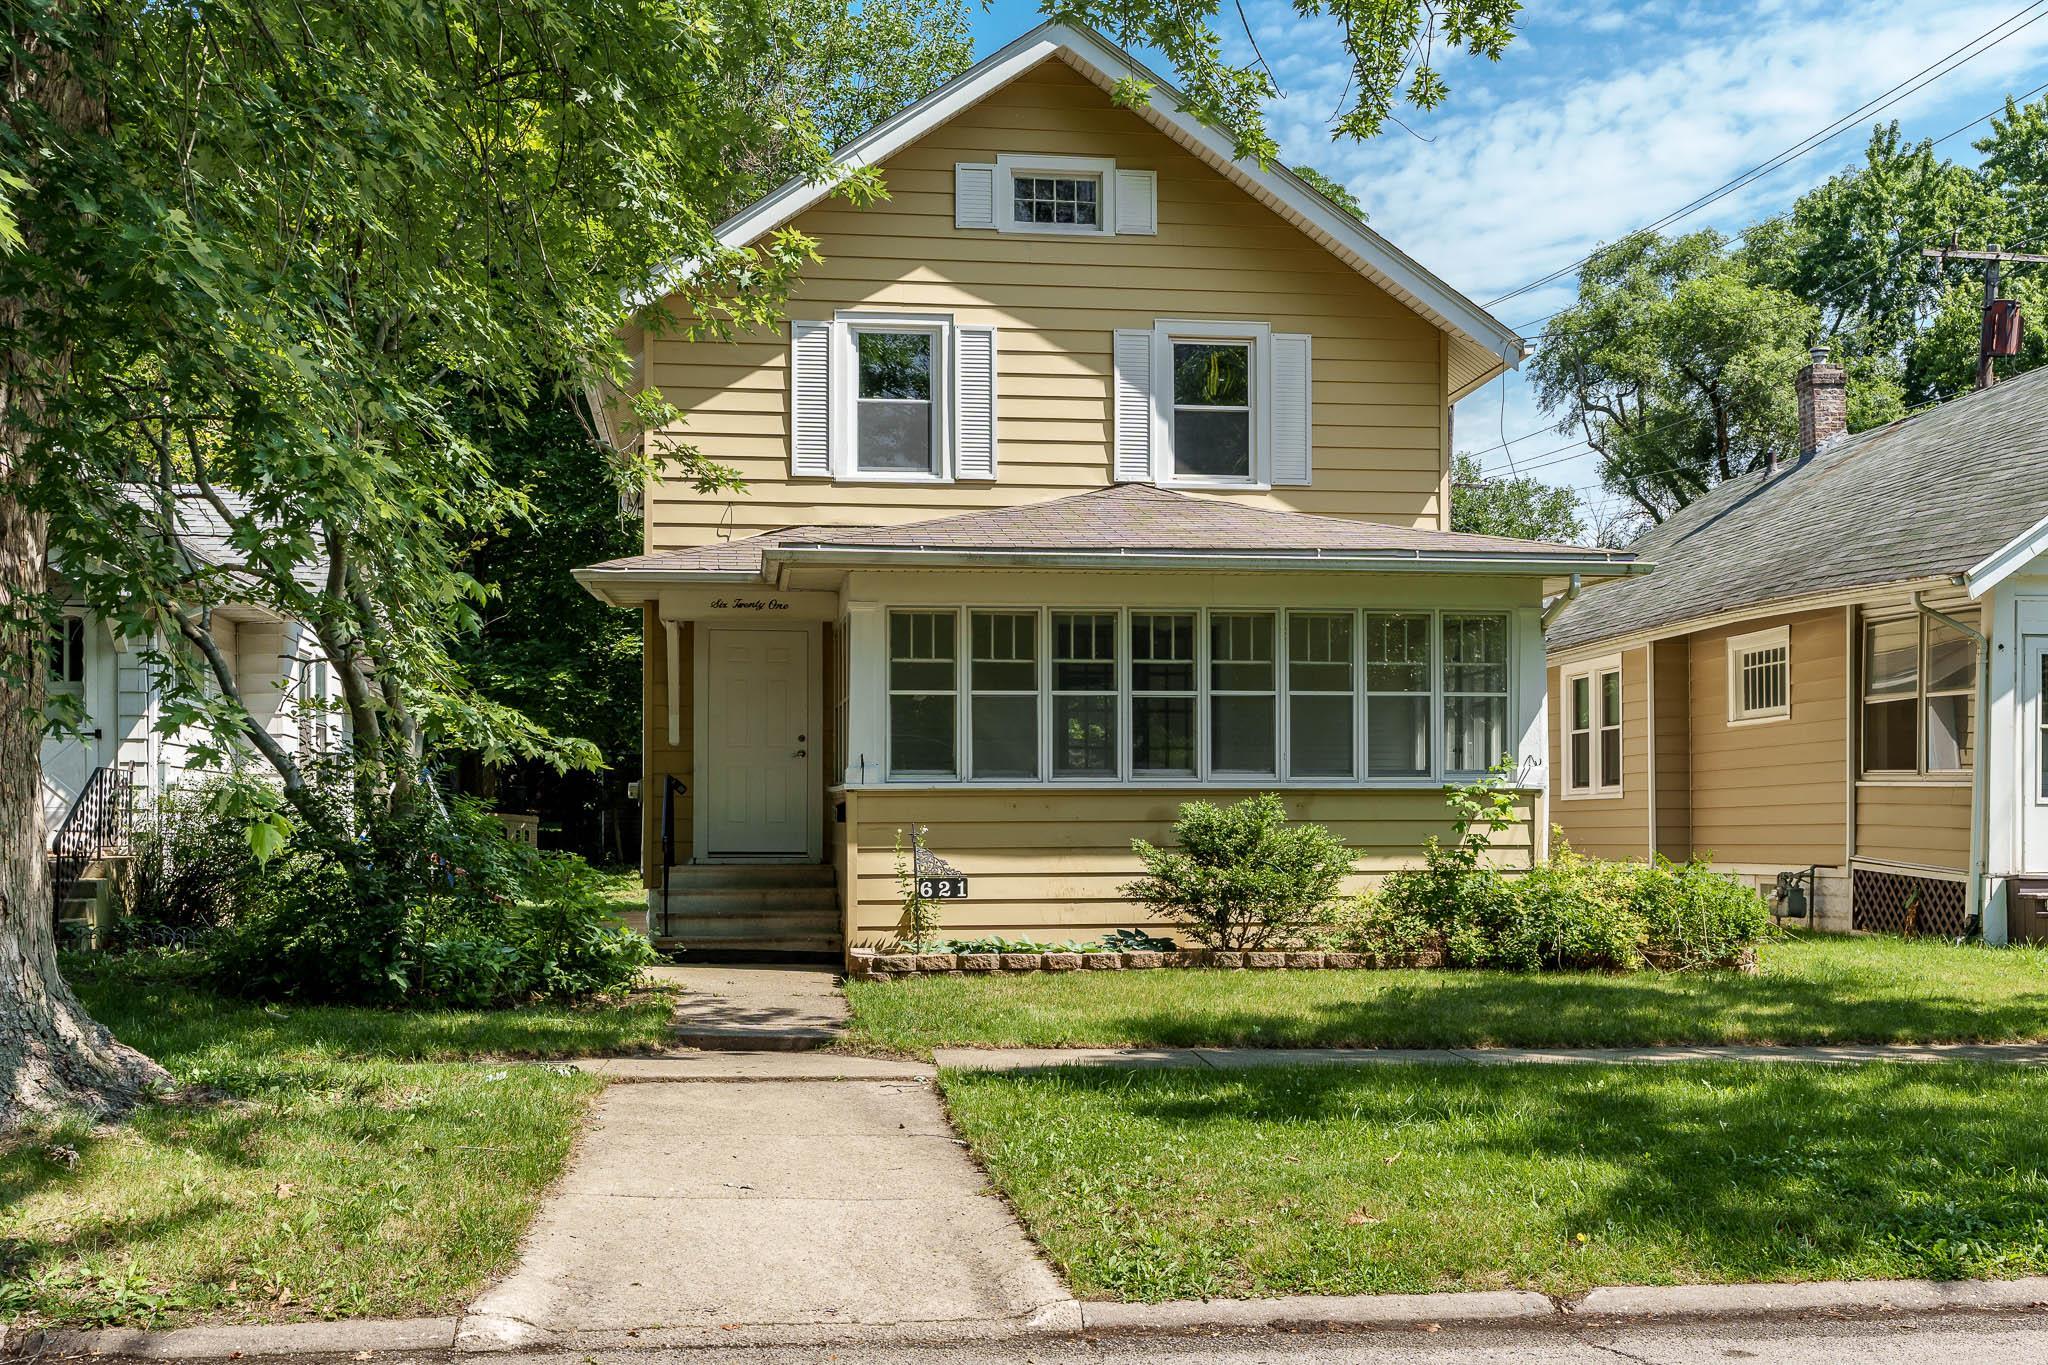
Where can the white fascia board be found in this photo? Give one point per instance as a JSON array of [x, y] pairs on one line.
[[631, 587], [1371, 254], [1317, 561], [2007, 560]]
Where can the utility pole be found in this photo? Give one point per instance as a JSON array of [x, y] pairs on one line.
[[1987, 374]]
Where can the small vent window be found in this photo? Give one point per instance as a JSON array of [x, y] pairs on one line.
[[1760, 676]]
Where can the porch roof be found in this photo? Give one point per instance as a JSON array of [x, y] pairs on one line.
[[1125, 526]]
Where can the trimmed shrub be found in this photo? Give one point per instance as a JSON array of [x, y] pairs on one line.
[[1697, 917], [1241, 877]]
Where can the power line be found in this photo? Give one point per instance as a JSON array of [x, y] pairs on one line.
[[1814, 141]]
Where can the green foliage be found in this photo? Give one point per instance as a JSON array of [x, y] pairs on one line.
[[1137, 941], [1524, 508], [1333, 190], [1240, 876], [920, 913], [192, 867]]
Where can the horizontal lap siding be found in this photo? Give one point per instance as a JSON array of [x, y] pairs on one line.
[[1671, 732], [1773, 793], [1049, 864], [1378, 383], [1928, 826], [1608, 826]]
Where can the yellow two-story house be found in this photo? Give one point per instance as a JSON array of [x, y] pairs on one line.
[[1093, 471]]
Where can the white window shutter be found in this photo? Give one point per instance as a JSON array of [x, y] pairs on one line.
[[1133, 390], [974, 195], [810, 400], [1137, 202], [974, 402], [1293, 425]]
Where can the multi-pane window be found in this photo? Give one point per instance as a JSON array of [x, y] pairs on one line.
[[1760, 675], [895, 420], [1919, 696], [1084, 694], [923, 693], [1592, 729], [1003, 694], [1321, 695], [67, 656], [1244, 683], [1475, 692], [1060, 200], [1212, 410], [1163, 694], [1397, 693]]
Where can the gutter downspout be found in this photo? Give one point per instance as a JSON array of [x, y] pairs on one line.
[[1980, 775], [1564, 599]]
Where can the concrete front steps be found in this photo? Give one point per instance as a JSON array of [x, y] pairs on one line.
[[770, 909]]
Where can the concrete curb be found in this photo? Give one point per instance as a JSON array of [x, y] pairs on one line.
[[480, 1334]]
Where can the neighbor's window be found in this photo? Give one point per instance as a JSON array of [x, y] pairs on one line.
[[923, 693], [1243, 694], [1475, 691], [1084, 696], [1321, 695], [1056, 200], [1592, 718], [1212, 410], [67, 656], [1760, 675], [1919, 696], [1163, 693], [895, 420], [1397, 693], [1003, 686]]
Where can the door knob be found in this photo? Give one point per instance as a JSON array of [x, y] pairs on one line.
[[801, 753]]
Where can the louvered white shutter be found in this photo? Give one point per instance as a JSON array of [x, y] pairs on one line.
[[810, 400], [974, 402], [1133, 384], [1137, 202], [1292, 424], [974, 195]]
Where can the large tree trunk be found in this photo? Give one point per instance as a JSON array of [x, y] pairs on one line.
[[53, 1055]]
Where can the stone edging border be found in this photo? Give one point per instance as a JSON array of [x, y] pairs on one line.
[[867, 964]]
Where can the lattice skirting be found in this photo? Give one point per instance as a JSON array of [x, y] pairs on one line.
[[1898, 903]]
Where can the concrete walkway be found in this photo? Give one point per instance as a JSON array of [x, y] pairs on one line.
[[755, 1008], [789, 1210], [1232, 1059]]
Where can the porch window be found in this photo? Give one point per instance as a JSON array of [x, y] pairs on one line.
[[895, 420], [1163, 694], [1003, 706], [1475, 692], [1084, 694], [1212, 411], [1592, 729], [1919, 697], [1243, 692], [923, 693], [1321, 695], [1397, 693]]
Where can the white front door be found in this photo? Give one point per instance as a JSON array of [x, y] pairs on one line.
[[78, 668], [2033, 749], [757, 768]]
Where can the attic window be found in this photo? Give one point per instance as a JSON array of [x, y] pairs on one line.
[[1056, 200], [1057, 195]]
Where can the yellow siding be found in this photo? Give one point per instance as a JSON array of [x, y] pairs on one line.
[[1924, 824], [1379, 370], [1608, 826], [1048, 864], [1773, 793], [1671, 738]]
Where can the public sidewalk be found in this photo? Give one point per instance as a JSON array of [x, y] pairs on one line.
[[1238, 1058]]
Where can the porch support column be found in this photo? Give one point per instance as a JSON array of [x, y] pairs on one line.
[[867, 691]]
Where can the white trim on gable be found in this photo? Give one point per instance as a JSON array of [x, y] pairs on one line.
[[1274, 185], [2008, 559]]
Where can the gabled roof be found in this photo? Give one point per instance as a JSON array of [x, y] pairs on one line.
[[207, 537], [1936, 495], [1482, 345], [1125, 526]]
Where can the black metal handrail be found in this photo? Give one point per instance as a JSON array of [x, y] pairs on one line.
[[101, 823], [671, 787]]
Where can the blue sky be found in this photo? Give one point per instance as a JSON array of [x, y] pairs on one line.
[[1607, 114]]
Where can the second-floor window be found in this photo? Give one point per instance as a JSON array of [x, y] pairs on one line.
[[895, 398], [1212, 410], [895, 421], [1204, 403]]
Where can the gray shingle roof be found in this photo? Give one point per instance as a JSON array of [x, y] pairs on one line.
[[1124, 517], [208, 537], [1928, 496]]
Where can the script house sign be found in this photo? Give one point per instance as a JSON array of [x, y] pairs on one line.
[[748, 604]]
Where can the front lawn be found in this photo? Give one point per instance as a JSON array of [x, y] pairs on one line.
[[1338, 1180], [1812, 989], [331, 1162]]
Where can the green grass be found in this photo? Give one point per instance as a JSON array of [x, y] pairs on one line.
[[327, 1162], [1153, 1185], [1812, 989]]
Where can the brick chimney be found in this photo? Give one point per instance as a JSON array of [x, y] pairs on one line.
[[1823, 402]]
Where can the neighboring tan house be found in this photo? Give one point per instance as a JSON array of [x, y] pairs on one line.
[[1800, 685], [1094, 472]]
